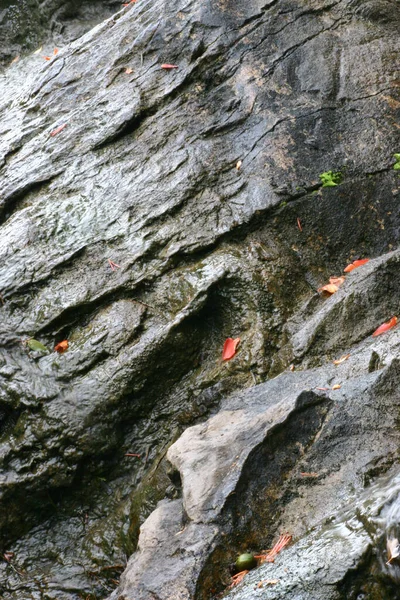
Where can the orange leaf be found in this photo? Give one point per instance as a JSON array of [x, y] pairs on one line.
[[167, 66], [263, 582], [385, 327], [355, 264], [47, 57], [336, 386], [229, 350], [330, 288], [55, 131], [337, 280], [341, 360], [55, 51], [61, 346]]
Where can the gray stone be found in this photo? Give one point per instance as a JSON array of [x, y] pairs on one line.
[[142, 170]]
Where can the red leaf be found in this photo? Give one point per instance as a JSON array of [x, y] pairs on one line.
[[167, 66], [61, 346], [355, 264], [229, 350], [385, 327], [55, 131], [47, 57]]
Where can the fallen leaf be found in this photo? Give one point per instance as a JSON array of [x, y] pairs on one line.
[[38, 50], [333, 285], [35, 345], [55, 51], [321, 388], [135, 454], [263, 582], [128, 71], [61, 346], [113, 265], [330, 289], [336, 386], [167, 66], [385, 327], [337, 280], [236, 579], [58, 129], [393, 549], [14, 60], [309, 474], [8, 556], [47, 57], [238, 164], [355, 264], [341, 360], [283, 541], [229, 349], [299, 224]]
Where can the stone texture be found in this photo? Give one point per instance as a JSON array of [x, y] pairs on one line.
[[144, 173]]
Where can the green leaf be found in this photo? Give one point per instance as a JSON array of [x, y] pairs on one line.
[[397, 156], [396, 166], [35, 345], [330, 179]]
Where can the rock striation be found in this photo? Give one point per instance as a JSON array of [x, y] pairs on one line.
[[147, 214]]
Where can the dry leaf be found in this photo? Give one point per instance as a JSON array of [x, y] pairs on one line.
[[238, 164], [355, 264], [321, 388], [38, 50], [168, 66], [8, 556], [55, 51], [47, 57], [113, 265], [229, 349], [263, 582], [336, 386], [393, 549], [61, 347], [128, 71], [337, 280], [309, 474], [236, 579], [385, 327], [333, 285], [341, 360], [299, 224], [14, 60], [330, 289], [55, 131], [283, 541]]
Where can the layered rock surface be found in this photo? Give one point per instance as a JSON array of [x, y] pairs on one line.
[[144, 172]]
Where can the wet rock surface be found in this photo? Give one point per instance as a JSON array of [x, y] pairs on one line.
[[105, 156]]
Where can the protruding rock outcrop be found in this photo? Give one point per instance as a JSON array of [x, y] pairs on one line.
[[201, 184]]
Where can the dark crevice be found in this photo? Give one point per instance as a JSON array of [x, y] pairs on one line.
[[10, 204]]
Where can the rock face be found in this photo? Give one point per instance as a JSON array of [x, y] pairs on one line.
[[147, 214]]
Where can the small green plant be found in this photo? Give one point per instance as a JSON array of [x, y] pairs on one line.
[[396, 165], [330, 178]]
